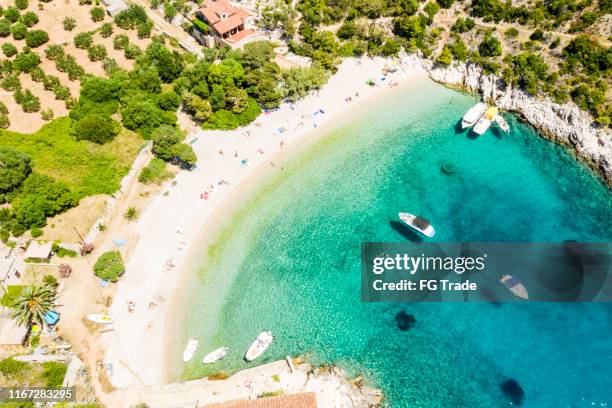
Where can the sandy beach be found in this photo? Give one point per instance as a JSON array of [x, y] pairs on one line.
[[183, 213]]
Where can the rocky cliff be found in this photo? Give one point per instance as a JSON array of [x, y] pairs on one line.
[[564, 123]]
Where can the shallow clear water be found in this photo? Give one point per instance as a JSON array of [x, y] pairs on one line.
[[288, 261]]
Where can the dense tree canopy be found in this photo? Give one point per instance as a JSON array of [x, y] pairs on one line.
[[14, 168]]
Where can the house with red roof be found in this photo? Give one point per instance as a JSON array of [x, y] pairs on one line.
[[228, 24]]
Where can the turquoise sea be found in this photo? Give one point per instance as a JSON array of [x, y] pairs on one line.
[[287, 259]]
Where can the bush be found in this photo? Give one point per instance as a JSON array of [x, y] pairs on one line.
[[9, 297], [96, 52], [12, 14], [47, 114], [10, 367], [109, 266], [10, 83], [26, 61], [132, 51], [28, 101], [69, 23], [5, 28], [144, 30], [155, 171], [9, 50], [36, 232], [54, 52], [96, 128], [183, 154], [130, 18], [169, 101], [37, 74], [97, 14], [36, 38], [30, 18], [21, 4], [83, 40], [49, 280], [490, 47], [106, 30], [19, 31], [54, 373], [121, 41]]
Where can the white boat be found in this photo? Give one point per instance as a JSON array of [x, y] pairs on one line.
[[419, 224], [502, 123], [473, 114], [515, 286], [485, 121], [216, 355], [100, 318], [190, 349], [261, 343]]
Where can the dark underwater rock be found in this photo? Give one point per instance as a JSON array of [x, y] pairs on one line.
[[513, 390], [404, 321], [448, 168]]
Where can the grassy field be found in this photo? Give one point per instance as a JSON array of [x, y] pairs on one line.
[[86, 167]]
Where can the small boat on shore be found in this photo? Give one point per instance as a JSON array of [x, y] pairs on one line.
[[503, 125], [100, 318], [473, 114], [215, 355], [515, 286], [418, 224], [261, 344], [485, 121], [190, 349]]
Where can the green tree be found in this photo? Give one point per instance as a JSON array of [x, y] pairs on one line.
[[30, 18], [31, 210], [106, 30], [390, 47], [431, 9], [164, 137], [26, 61], [169, 101], [490, 47], [96, 52], [83, 40], [97, 14], [169, 64], [14, 168], [446, 57], [9, 49], [69, 23], [256, 54], [21, 4], [198, 107], [184, 154], [5, 28], [109, 266], [12, 14], [36, 38], [19, 31], [96, 128], [32, 305]]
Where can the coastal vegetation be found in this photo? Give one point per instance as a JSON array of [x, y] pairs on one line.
[[20, 373], [545, 48], [109, 266]]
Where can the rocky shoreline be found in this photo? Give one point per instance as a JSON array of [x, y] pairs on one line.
[[565, 124]]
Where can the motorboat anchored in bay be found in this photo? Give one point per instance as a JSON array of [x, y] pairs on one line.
[[503, 125], [261, 344], [473, 115], [485, 121], [418, 224], [215, 355], [515, 286]]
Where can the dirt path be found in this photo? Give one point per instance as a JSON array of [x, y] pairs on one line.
[[82, 293], [184, 39]]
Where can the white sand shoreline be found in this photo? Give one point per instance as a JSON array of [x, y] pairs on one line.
[[137, 354]]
